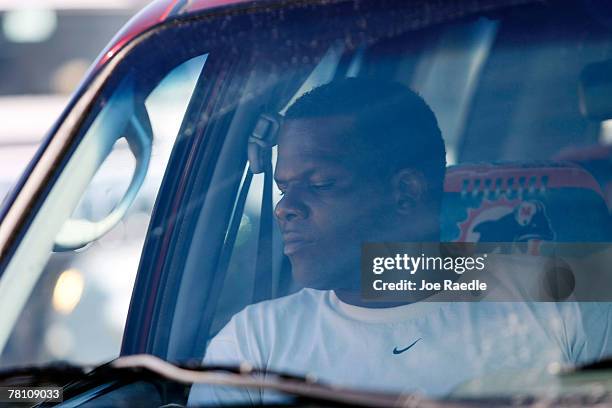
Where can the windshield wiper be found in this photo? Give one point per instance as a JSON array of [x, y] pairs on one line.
[[597, 365], [144, 366], [125, 370], [247, 377]]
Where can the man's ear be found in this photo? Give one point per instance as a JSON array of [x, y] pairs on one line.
[[409, 189]]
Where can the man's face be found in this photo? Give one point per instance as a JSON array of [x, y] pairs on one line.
[[331, 204]]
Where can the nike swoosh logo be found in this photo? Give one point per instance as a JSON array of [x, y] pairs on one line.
[[396, 351]]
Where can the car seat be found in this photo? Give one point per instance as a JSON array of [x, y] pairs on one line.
[[523, 202], [534, 203], [597, 160]]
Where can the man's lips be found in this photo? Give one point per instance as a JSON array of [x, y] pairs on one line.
[[294, 242]]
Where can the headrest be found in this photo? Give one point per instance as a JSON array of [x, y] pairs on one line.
[[597, 160], [594, 91], [523, 202]]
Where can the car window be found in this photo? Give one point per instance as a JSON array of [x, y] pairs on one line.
[[402, 199], [77, 307]]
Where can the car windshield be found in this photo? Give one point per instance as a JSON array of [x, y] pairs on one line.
[[409, 198]]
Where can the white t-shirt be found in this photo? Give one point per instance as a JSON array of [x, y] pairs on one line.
[[427, 347]]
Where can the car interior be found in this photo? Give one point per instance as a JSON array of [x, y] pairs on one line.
[[521, 98], [506, 181]]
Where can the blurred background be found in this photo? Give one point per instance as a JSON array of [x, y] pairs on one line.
[[46, 47]]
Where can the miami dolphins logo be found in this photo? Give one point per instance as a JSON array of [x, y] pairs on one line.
[[506, 220]]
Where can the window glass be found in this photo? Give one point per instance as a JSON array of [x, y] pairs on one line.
[[401, 138], [340, 156], [77, 309]]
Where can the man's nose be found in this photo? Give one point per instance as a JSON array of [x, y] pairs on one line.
[[290, 208]]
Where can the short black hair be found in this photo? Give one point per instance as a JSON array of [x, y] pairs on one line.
[[395, 125]]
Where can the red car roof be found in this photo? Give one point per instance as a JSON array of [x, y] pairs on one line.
[[155, 13]]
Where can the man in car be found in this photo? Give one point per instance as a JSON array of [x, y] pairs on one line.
[[364, 161]]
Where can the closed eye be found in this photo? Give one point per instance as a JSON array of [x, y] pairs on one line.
[[322, 186]]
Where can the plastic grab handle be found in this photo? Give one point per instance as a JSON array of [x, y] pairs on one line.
[[76, 233]]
